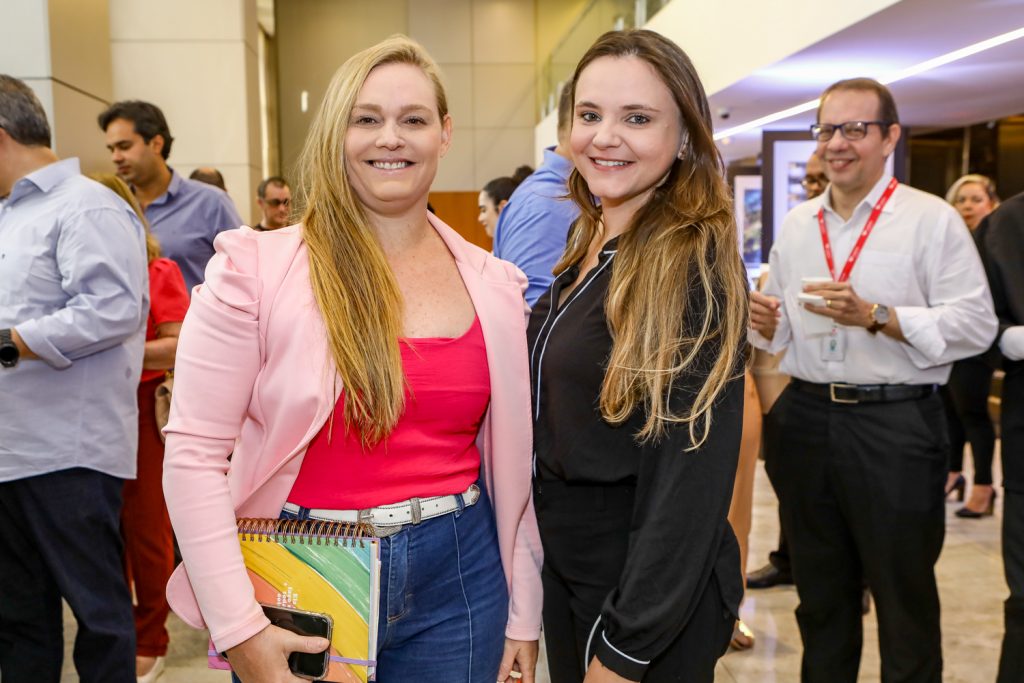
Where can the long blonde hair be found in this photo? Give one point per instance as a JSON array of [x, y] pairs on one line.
[[677, 300], [352, 282], [121, 189]]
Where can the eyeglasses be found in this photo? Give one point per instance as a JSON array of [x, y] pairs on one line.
[[819, 180], [274, 203], [851, 130]]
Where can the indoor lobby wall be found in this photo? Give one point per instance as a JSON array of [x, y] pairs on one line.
[[196, 60], [61, 48], [486, 52]]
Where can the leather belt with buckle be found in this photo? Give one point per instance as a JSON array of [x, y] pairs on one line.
[[389, 519], [841, 392]]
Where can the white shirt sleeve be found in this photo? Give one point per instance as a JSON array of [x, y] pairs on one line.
[[1012, 342], [773, 287], [959, 320]]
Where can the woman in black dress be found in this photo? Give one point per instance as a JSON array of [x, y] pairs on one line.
[[637, 358]]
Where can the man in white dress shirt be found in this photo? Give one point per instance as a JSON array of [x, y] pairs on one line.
[[856, 444]]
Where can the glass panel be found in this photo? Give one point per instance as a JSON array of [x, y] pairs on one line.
[[598, 17]]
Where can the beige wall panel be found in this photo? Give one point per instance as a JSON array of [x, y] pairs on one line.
[[444, 27], [455, 173], [24, 39], [314, 37], [206, 111], [43, 88], [153, 20], [499, 151], [250, 24], [503, 95], [75, 133], [458, 86], [252, 109], [503, 31], [80, 45]]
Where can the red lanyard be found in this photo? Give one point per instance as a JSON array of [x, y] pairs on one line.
[[868, 227]]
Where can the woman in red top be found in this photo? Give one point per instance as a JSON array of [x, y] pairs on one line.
[[149, 543]]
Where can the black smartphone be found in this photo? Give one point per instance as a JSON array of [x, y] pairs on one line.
[[303, 664]]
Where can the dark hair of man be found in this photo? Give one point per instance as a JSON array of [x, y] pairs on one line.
[[210, 176], [147, 118], [565, 109], [21, 113], [500, 189], [275, 180], [886, 103]]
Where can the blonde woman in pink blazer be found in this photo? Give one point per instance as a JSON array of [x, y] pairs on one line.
[[364, 357]]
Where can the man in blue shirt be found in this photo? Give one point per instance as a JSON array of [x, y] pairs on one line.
[[184, 214], [532, 229], [73, 306]]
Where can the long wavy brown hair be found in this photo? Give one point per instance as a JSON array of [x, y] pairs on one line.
[[352, 282], [677, 300]]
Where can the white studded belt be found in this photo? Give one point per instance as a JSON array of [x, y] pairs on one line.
[[388, 519]]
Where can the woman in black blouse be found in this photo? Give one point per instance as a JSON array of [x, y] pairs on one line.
[[636, 361]]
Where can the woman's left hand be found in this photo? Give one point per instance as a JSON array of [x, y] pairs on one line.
[[520, 657], [598, 673]]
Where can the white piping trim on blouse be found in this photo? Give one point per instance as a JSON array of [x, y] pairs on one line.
[[565, 307], [632, 659], [586, 653]]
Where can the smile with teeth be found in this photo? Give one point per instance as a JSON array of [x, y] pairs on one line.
[[389, 165], [610, 163]]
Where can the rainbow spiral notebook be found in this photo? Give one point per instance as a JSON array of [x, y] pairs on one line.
[[327, 567]]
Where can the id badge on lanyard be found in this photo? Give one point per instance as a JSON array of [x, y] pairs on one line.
[[833, 345]]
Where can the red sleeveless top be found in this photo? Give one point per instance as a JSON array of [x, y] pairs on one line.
[[432, 450]]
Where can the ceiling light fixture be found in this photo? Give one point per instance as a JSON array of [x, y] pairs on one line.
[[900, 75]]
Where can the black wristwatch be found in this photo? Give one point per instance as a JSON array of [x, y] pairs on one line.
[[9, 353]]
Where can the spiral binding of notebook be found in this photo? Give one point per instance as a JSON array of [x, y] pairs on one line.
[[318, 566], [303, 531]]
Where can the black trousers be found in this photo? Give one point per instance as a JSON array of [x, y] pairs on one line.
[[59, 537], [966, 400], [1011, 663], [861, 495], [585, 532]]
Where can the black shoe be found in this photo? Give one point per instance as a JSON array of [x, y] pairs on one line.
[[967, 513], [768, 576]]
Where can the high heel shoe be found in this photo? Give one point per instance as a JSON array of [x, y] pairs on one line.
[[959, 485], [967, 513]]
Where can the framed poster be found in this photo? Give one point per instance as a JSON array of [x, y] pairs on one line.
[[747, 208], [784, 155]]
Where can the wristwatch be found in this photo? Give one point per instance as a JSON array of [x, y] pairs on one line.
[[879, 318], [9, 353]]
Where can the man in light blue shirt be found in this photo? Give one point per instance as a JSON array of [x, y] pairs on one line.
[[73, 306], [185, 215], [533, 227]]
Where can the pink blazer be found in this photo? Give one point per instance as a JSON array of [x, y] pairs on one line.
[[255, 380]]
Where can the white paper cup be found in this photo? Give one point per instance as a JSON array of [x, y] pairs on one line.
[[805, 281], [814, 324]]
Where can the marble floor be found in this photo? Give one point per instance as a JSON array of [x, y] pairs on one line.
[[971, 585]]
